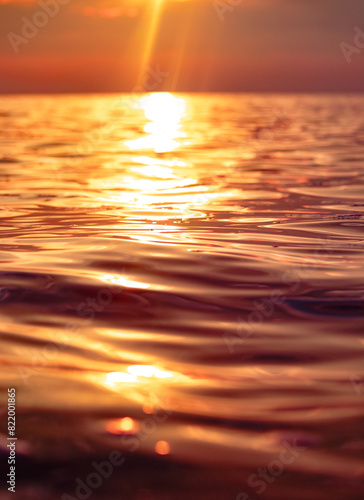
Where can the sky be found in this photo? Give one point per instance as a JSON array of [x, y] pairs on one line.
[[181, 45]]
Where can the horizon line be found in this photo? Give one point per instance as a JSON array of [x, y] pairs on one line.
[[332, 92]]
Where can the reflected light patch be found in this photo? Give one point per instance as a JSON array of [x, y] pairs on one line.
[[136, 374], [122, 281], [148, 371], [148, 408], [146, 160], [162, 448], [124, 425], [113, 378], [154, 186], [163, 108], [155, 171], [165, 112]]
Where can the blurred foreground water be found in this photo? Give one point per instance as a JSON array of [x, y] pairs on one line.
[[182, 281]]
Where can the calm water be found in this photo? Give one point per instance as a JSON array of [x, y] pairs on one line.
[[182, 280]]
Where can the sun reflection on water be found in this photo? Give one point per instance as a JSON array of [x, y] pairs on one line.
[[148, 371], [205, 236], [145, 385], [162, 185], [165, 113], [125, 425], [133, 373], [123, 281]]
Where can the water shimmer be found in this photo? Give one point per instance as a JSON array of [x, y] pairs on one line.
[[182, 279]]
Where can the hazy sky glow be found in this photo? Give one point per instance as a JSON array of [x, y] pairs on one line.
[[114, 45]]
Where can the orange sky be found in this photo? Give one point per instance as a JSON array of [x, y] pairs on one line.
[[185, 45]]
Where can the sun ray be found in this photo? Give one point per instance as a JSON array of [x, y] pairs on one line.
[[153, 20]]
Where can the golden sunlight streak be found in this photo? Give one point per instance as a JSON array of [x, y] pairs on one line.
[[153, 23]]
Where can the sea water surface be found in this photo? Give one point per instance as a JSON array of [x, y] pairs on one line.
[[182, 280]]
